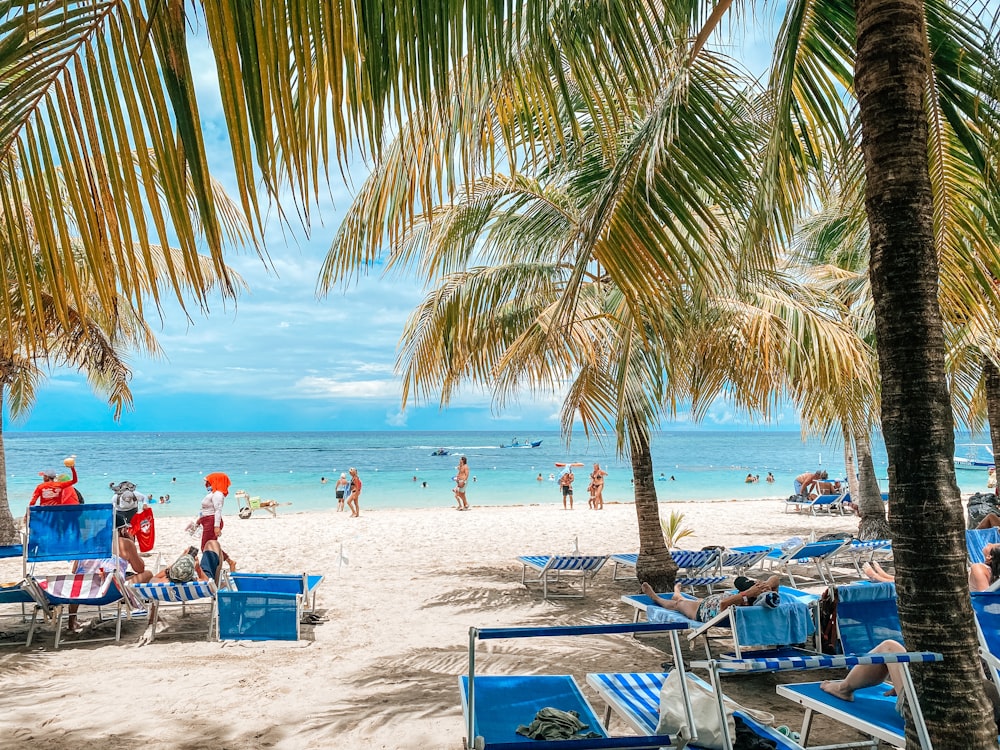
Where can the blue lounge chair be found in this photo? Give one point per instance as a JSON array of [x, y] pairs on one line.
[[162, 595], [977, 539], [495, 705], [866, 616], [304, 585], [781, 630], [63, 533], [738, 560], [695, 568], [871, 712], [986, 605], [858, 552], [551, 568], [635, 698], [807, 553], [820, 504]]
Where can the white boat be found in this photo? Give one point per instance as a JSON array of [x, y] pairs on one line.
[[978, 456]]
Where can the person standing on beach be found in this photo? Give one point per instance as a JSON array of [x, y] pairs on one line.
[[354, 493], [461, 480], [210, 516], [597, 487], [341, 489], [807, 484], [566, 485]]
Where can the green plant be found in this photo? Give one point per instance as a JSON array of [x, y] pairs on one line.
[[673, 532]]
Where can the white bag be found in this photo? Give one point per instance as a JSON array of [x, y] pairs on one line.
[[704, 709]]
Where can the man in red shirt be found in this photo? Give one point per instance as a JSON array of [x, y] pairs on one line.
[[53, 492]]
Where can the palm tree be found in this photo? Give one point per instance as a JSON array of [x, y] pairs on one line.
[[520, 296], [370, 68]]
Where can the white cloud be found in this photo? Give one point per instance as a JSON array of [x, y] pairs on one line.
[[316, 387]]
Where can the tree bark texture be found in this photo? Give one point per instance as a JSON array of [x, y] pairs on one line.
[[850, 471], [991, 384], [8, 531], [871, 508], [655, 566], [925, 515]]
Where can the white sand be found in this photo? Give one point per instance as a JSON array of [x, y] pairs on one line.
[[382, 671]]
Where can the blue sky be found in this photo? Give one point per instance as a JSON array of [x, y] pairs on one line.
[[285, 360]]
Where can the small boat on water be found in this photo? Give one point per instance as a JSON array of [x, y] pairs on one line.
[[440, 452], [978, 456], [527, 444]]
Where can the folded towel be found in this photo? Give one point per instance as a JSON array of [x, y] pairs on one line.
[[659, 614], [788, 623]]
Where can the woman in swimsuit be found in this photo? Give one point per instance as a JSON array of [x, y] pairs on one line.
[[705, 609]]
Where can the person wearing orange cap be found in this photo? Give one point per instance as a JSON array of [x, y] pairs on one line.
[[52, 491]]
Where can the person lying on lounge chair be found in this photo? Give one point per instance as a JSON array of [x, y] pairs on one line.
[[868, 675], [705, 609], [209, 567]]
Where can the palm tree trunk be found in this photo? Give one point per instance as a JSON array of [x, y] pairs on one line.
[[655, 565], [849, 467], [928, 533], [8, 531], [991, 384], [869, 498]]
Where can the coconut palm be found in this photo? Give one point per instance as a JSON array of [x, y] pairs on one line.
[[918, 67]]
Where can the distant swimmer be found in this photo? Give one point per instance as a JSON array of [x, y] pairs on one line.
[[539, 477], [770, 478], [672, 478]]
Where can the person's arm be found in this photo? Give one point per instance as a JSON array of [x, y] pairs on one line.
[[217, 500], [72, 481], [36, 495]]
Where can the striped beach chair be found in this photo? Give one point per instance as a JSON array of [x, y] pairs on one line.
[[550, 569], [695, 568], [179, 596]]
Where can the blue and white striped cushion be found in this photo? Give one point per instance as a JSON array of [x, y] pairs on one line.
[[693, 559], [638, 694], [821, 662], [175, 592], [564, 562]]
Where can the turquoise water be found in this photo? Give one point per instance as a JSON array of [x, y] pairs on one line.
[[288, 467]]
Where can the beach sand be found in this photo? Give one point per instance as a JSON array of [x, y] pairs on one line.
[[381, 672]]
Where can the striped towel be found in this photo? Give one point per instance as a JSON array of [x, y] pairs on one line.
[[79, 586]]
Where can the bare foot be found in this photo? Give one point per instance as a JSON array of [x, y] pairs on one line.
[[232, 563], [869, 572], [837, 689], [647, 589]]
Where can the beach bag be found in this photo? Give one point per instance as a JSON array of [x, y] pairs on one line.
[[828, 621], [183, 569], [981, 505], [704, 709]]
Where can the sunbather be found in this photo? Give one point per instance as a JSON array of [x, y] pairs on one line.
[[209, 567], [876, 574], [868, 675], [705, 609]]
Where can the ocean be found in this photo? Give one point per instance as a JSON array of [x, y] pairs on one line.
[[398, 470]]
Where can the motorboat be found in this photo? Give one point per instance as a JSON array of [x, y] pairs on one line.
[[440, 452], [978, 456]]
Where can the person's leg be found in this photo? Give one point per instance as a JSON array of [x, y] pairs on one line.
[[687, 607], [571, 499], [866, 675], [875, 573], [991, 520], [215, 547], [71, 624], [564, 498], [979, 577]]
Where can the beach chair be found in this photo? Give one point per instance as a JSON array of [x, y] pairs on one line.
[[977, 539], [695, 568], [303, 584], [165, 595], [551, 569], [494, 706], [738, 560], [858, 552], [635, 699], [67, 533], [774, 631], [871, 712], [986, 606], [808, 553], [820, 504]]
